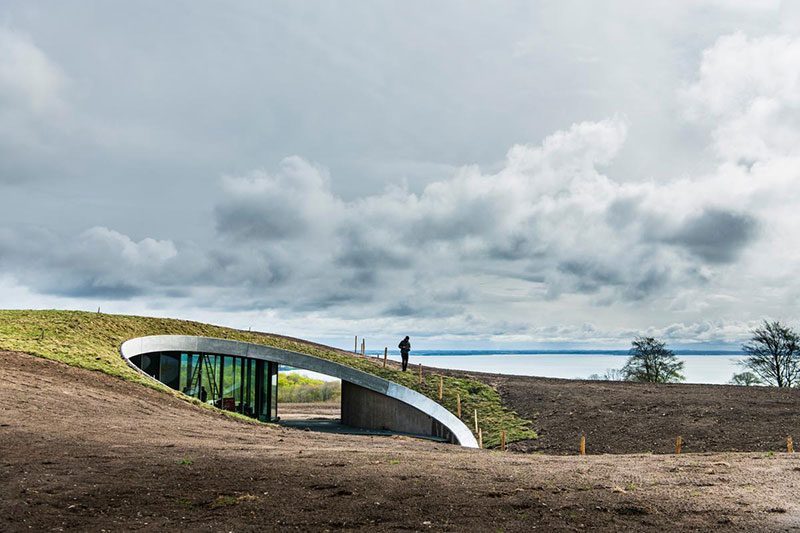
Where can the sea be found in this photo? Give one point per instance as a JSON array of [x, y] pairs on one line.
[[713, 368]]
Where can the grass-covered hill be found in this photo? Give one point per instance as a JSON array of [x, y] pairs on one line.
[[92, 340]]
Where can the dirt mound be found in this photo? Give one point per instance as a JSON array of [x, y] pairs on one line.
[[81, 450]]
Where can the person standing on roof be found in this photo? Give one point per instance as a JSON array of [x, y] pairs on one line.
[[405, 347]]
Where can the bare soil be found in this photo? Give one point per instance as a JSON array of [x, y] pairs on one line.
[[83, 451], [310, 411], [619, 417]]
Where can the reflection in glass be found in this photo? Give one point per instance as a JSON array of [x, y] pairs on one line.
[[240, 384]]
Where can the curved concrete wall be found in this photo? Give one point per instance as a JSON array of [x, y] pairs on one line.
[[184, 343]]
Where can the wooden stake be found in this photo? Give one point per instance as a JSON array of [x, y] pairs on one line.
[[363, 344], [355, 348], [476, 420], [420, 373], [502, 441], [480, 438], [678, 446], [583, 445], [789, 445], [385, 354], [42, 336], [441, 388], [458, 404]]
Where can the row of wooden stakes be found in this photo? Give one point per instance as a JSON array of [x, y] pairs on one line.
[[789, 445]]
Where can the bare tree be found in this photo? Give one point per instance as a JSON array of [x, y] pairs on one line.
[[650, 361], [774, 354]]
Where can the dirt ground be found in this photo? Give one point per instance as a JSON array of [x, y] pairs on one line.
[[617, 417], [83, 451], [310, 411]]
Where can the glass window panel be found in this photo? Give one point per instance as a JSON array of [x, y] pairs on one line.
[[273, 390], [186, 371], [170, 370], [228, 383], [194, 375], [238, 372], [262, 390], [151, 364], [210, 377], [251, 388]]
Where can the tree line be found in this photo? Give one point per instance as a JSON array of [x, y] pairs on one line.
[[773, 358], [297, 388]]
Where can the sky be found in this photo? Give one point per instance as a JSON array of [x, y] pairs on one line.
[[477, 175]]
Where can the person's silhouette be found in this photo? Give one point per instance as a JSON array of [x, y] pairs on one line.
[[405, 347]]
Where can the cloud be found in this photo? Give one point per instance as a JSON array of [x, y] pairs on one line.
[[276, 207], [98, 263], [547, 219], [748, 89], [28, 78], [545, 235], [715, 235], [548, 216]]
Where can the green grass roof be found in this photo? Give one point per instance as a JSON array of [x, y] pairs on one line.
[[92, 341]]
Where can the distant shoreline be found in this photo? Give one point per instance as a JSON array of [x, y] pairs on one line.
[[549, 352]]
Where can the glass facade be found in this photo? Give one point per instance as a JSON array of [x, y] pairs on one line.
[[240, 384]]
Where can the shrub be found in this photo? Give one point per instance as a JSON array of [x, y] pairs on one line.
[[745, 378]]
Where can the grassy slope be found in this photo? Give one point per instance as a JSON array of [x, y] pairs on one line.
[[92, 340]]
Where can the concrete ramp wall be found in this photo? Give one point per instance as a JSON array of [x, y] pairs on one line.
[[364, 408]]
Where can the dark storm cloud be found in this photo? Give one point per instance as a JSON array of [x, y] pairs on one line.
[[653, 279], [424, 308], [716, 235], [590, 275], [364, 257], [252, 220], [92, 288], [623, 212], [359, 247], [401, 309], [516, 246]]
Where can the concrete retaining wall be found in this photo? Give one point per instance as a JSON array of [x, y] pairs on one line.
[[364, 408]]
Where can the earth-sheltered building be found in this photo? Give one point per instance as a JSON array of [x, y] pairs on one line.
[[243, 377]]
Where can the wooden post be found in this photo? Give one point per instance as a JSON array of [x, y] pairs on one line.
[[476, 420], [355, 348], [385, 354], [502, 441], [363, 345], [458, 404], [420, 373], [678, 446], [789, 445], [480, 438], [441, 388], [583, 445], [42, 337]]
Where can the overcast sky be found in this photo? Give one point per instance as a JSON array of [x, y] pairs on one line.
[[475, 175]]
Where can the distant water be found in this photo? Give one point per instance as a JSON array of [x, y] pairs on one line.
[[698, 368]]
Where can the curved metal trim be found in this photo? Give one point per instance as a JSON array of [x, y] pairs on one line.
[[187, 343]]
